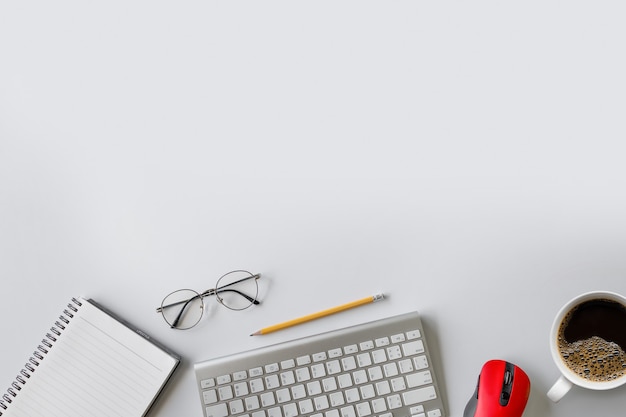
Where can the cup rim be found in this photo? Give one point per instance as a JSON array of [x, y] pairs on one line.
[[556, 356]]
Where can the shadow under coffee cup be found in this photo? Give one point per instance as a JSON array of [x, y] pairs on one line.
[[588, 343]]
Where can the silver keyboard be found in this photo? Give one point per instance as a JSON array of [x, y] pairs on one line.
[[377, 369]]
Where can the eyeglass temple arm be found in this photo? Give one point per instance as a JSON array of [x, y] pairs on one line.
[[247, 297]]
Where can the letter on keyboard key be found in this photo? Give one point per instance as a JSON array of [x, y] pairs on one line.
[[217, 410], [419, 395]]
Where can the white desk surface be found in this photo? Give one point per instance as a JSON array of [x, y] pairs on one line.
[[466, 159]]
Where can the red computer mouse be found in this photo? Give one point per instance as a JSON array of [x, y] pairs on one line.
[[502, 391]]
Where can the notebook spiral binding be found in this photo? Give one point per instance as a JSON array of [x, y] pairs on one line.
[[39, 354]]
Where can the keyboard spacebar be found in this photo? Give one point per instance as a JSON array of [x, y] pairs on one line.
[[419, 395]]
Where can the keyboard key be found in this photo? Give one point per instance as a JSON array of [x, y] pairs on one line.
[[416, 409], [240, 376], [318, 370], [267, 399], [336, 399], [288, 364], [331, 413], [272, 381], [241, 389], [275, 412], [298, 392], [350, 349], [359, 377], [290, 410], [405, 366], [209, 397], [306, 406], [367, 345], [225, 393], [394, 401], [413, 348], [287, 378], [236, 407], [335, 353], [283, 395], [348, 363], [420, 362], [320, 356], [329, 384], [303, 360], [375, 373], [303, 374], [352, 395], [364, 359], [255, 372], [397, 338], [321, 403], [217, 410], [252, 403], [391, 369], [413, 334], [434, 413], [256, 385], [344, 381], [348, 411], [379, 356], [367, 391], [207, 383], [379, 405], [224, 379], [394, 353], [272, 367], [419, 378], [419, 395], [333, 367], [363, 409], [314, 388], [381, 342], [398, 384], [383, 388]]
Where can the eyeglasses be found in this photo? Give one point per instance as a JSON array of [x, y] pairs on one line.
[[236, 290]]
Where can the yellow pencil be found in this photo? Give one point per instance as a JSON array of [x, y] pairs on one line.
[[324, 313]]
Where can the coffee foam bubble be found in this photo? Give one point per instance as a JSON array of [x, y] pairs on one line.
[[594, 359]]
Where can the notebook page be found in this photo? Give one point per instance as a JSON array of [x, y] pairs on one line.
[[97, 367]]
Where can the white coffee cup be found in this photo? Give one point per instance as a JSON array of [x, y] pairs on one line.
[[568, 377]]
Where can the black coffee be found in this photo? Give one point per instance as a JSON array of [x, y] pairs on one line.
[[592, 340]]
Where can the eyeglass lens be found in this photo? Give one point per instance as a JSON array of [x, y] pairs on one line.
[[237, 290], [182, 309]]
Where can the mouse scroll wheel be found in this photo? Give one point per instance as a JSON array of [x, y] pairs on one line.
[[508, 377]]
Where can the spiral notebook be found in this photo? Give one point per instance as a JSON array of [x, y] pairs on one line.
[[92, 363]]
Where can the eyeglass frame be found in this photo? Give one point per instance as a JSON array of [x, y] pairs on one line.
[[211, 291]]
